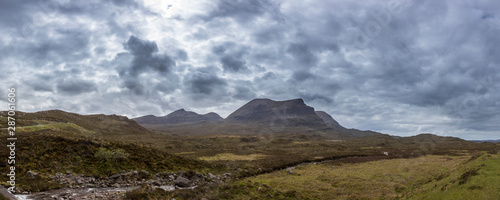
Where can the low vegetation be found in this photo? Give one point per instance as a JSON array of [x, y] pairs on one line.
[[303, 165], [427, 177]]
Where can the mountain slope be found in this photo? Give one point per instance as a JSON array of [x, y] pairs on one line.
[[332, 123]]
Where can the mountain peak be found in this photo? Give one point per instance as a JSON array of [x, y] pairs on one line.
[[292, 112]]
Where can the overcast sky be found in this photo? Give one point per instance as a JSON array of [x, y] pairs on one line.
[[397, 67]]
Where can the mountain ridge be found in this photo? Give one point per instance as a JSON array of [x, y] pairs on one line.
[[180, 116]]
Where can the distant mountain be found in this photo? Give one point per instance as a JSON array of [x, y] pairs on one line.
[[489, 141], [180, 116], [256, 116], [291, 113]]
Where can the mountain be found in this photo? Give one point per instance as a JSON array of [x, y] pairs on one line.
[[488, 141], [329, 120], [256, 116], [180, 116], [291, 113]]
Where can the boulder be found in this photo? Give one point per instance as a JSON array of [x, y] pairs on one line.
[[32, 174], [182, 182]]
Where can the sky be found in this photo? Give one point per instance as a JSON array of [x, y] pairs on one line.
[[398, 67]]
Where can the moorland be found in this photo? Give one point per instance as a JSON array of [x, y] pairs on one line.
[[264, 150]]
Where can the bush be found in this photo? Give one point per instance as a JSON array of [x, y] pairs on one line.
[[108, 155]]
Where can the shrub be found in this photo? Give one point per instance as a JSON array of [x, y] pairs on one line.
[[108, 155]]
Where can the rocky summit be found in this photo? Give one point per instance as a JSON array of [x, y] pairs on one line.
[[290, 113]]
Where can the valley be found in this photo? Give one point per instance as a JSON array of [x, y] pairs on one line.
[[264, 150]]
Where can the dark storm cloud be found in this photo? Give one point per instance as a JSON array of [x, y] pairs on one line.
[[146, 58], [70, 45], [204, 82], [143, 58], [302, 53], [72, 86], [232, 64], [231, 56], [301, 75], [241, 10]]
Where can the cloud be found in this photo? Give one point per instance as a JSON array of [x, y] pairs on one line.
[[232, 64], [432, 66], [302, 54], [204, 82], [145, 58], [75, 86], [240, 10]]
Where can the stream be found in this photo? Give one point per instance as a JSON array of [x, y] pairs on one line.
[[88, 193]]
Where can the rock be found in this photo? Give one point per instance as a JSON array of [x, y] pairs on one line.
[[116, 185], [153, 182], [32, 174], [210, 176], [115, 176], [135, 173], [144, 173], [290, 171], [182, 182]]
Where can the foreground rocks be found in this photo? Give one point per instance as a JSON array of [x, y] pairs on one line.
[[136, 178], [114, 186]]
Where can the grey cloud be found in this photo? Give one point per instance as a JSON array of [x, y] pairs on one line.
[[302, 54], [434, 57], [241, 10], [243, 93], [233, 64], [74, 86], [302, 75], [231, 56], [145, 58], [316, 97], [204, 82]]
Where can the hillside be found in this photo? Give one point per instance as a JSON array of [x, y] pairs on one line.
[[98, 146]]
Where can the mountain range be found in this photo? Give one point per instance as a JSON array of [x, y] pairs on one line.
[[179, 117], [283, 116]]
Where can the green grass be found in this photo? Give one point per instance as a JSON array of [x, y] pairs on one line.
[[369, 180], [484, 185]]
